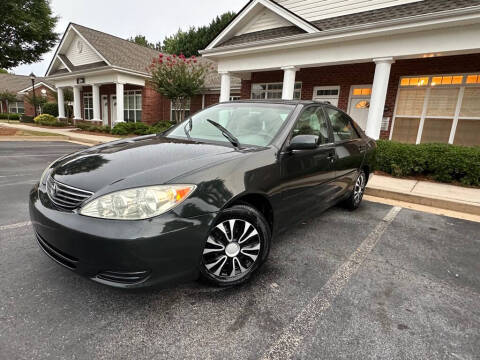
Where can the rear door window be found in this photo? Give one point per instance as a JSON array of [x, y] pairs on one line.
[[342, 125]]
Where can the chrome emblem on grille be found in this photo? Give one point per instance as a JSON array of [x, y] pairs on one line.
[[54, 189]]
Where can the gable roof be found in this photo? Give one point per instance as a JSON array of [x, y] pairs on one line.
[[118, 52], [362, 18], [16, 83], [251, 9], [121, 53]]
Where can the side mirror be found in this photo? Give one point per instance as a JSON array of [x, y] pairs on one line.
[[303, 142]]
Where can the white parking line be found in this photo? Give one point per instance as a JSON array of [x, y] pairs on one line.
[[15, 226], [303, 324]]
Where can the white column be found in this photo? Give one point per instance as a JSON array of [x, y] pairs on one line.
[[77, 105], [119, 102], [96, 102], [379, 94], [61, 103], [225, 87], [288, 82]]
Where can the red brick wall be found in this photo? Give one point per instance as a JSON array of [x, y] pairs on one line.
[[155, 107], [29, 109], [362, 73]]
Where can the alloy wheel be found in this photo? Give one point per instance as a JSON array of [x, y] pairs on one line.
[[232, 248], [359, 188]]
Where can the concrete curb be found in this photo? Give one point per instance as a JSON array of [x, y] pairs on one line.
[[424, 200]]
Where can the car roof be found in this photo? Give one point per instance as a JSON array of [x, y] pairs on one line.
[[277, 101]]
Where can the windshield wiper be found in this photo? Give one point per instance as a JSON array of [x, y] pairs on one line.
[[187, 130], [230, 137]]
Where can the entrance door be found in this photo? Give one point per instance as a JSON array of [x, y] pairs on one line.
[[326, 94], [113, 108], [359, 104], [105, 109]]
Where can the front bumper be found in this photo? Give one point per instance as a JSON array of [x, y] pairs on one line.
[[126, 254]]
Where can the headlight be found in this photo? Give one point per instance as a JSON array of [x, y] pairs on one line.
[[138, 203]]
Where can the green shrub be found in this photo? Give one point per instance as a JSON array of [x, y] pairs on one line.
[[11, 116], [139, 128], [26, 118], [95, 128], [48, 120], [441, 162], [50, 108]]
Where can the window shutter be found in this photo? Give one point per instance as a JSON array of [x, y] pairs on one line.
[[471, 102], [410, 102], [442, 102]]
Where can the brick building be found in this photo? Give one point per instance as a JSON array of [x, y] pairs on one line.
[[109, 78], [21, 86], [408, 70]]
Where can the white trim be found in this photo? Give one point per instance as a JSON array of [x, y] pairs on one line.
[[412, 23], [422, 117], [279, 10], [451, 138], [63, 62], [93, 48], [65, 35], [36, 86]]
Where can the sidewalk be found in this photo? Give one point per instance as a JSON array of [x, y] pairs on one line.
[[68, 133], [427, 193]]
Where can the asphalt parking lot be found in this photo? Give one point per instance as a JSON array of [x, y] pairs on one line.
[[378, 283]]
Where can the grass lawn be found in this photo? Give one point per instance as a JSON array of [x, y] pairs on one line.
[[4, 131]]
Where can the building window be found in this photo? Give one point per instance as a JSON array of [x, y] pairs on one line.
[[362, 91], [175, 109], [132, 105], [234, 97], [87, 106], [273, 91], [16, 107], [438, 108]]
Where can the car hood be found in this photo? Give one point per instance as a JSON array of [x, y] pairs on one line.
[[136, 162]]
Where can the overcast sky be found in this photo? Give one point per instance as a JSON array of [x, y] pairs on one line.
[[153, 18]]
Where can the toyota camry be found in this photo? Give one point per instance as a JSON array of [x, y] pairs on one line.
[[205, 198]]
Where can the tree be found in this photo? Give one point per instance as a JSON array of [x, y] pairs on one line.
[[142, 40], [7, 96], [179, 79], [190, 42], [37, 101], [26, 31], [3, 71]]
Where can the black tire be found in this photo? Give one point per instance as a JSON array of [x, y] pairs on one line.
[[356, 196], [246, 220]]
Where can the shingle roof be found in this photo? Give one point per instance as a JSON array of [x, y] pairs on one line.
[[117, 51], [365, 17], [15, 83], [123, 53]]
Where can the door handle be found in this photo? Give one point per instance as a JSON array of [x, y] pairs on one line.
[[332, 156]]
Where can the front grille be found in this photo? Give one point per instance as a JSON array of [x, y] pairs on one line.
[[124, 277], [64, 196], [57, 255]]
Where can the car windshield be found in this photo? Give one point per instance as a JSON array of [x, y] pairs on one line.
[[251, 124]]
